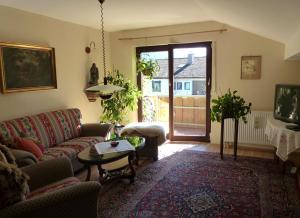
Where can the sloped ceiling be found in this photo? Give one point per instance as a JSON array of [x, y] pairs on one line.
[[275, 19]]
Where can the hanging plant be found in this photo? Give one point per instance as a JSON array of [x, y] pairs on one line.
[[230, 105], [147, 67], [116, 109]]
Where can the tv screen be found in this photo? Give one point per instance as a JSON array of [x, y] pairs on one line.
[[287, 103]]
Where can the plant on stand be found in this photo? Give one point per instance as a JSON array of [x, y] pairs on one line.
[[117, 108], [230, 105]]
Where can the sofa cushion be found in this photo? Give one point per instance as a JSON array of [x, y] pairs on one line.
[[38, 126], [75, 121], [35, 140], [70, 148], [28, 145], [7, 133], [53, 187], [51, 128]]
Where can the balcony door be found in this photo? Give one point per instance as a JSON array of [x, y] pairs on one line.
[[178, 96]]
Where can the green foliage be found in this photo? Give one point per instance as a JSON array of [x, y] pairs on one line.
[[134, 140], [147, 67], [116, 109], [230, 105]]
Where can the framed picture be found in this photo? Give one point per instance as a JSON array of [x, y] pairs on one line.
[[251, 67], [26, 68]]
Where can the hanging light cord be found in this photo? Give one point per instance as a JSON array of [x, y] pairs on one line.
[[102, 36]]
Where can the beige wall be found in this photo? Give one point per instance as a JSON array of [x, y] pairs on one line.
[[292, 48], [229, 47], [72, 64]]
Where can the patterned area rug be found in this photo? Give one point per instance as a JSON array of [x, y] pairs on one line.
[[198, 184]]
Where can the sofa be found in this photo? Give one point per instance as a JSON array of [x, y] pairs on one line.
[[57, 194], [60, 132]]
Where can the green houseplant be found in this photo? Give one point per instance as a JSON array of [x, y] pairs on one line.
[[147, 67], [116, 109], [230, 105]]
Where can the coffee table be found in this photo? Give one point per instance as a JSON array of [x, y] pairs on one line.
[[127, 171]]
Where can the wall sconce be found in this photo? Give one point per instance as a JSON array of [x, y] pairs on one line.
[[89, 48]]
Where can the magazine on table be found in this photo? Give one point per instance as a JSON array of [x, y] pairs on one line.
[[106, 148]]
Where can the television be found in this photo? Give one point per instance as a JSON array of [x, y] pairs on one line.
[[287, 105]]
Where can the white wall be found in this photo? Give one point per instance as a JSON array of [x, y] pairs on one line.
[[72, 64], [228, 49]]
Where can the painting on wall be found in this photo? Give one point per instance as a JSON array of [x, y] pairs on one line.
[[26, 68], [251, 67]]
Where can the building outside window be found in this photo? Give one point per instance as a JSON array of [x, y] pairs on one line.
[[174, 85], [179, 85], [187, 86], [156, 86]]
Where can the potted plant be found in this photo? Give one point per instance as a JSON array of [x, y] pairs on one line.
[[230, 105], [116, 109], [147, 67]]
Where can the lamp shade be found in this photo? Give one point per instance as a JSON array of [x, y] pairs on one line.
[[105, 91]]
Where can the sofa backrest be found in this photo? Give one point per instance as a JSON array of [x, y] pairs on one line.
[[50, 128], [7, 133]]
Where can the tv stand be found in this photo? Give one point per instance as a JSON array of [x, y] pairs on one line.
[[295, 128]]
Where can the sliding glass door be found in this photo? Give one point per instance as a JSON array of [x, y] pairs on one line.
[[179, 95], [154, 105]]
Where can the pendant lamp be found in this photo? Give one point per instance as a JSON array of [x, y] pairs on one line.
[[105, 90]]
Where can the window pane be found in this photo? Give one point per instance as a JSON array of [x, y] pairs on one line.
[[156, 86], [179, 85], [187, 85]]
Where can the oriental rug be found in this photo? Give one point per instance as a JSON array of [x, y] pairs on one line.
[[199, 184]]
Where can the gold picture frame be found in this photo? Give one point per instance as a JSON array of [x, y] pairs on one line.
[[251, 67], [26, 67]]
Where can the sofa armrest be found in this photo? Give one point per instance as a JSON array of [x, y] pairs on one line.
[[23, 158], [46, 172], [76, 201], [96, 129]]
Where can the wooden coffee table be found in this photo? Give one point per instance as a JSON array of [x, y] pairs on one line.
[[126, 171]]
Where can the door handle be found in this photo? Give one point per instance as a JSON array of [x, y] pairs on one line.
[[208, 81]]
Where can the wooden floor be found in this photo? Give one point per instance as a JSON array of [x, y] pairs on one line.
[[172, 147], [242, 151]]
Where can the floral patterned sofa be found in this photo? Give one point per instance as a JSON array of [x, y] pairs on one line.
[[60, 132]]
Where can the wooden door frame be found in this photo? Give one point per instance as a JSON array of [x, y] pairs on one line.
[[170, 48]]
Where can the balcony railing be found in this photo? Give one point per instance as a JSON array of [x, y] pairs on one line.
[[189, 112]]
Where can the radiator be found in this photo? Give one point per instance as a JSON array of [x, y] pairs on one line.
[[252, 133]]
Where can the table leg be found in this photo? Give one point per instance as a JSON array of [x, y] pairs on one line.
[[283, 167], [137, 158], [236, 134], [101, 173], [276, 158], [222, 139], [88, 176], [132, 175]]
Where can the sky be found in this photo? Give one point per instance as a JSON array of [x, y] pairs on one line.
[[178, 53]]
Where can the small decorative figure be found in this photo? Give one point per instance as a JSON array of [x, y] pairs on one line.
[[94, 75]]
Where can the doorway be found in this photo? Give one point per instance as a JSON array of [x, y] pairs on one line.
[[178, 96]]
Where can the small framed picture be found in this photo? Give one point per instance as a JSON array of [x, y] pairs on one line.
[[251, 67]]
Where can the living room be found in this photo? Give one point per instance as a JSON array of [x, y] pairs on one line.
[[253, 28]]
